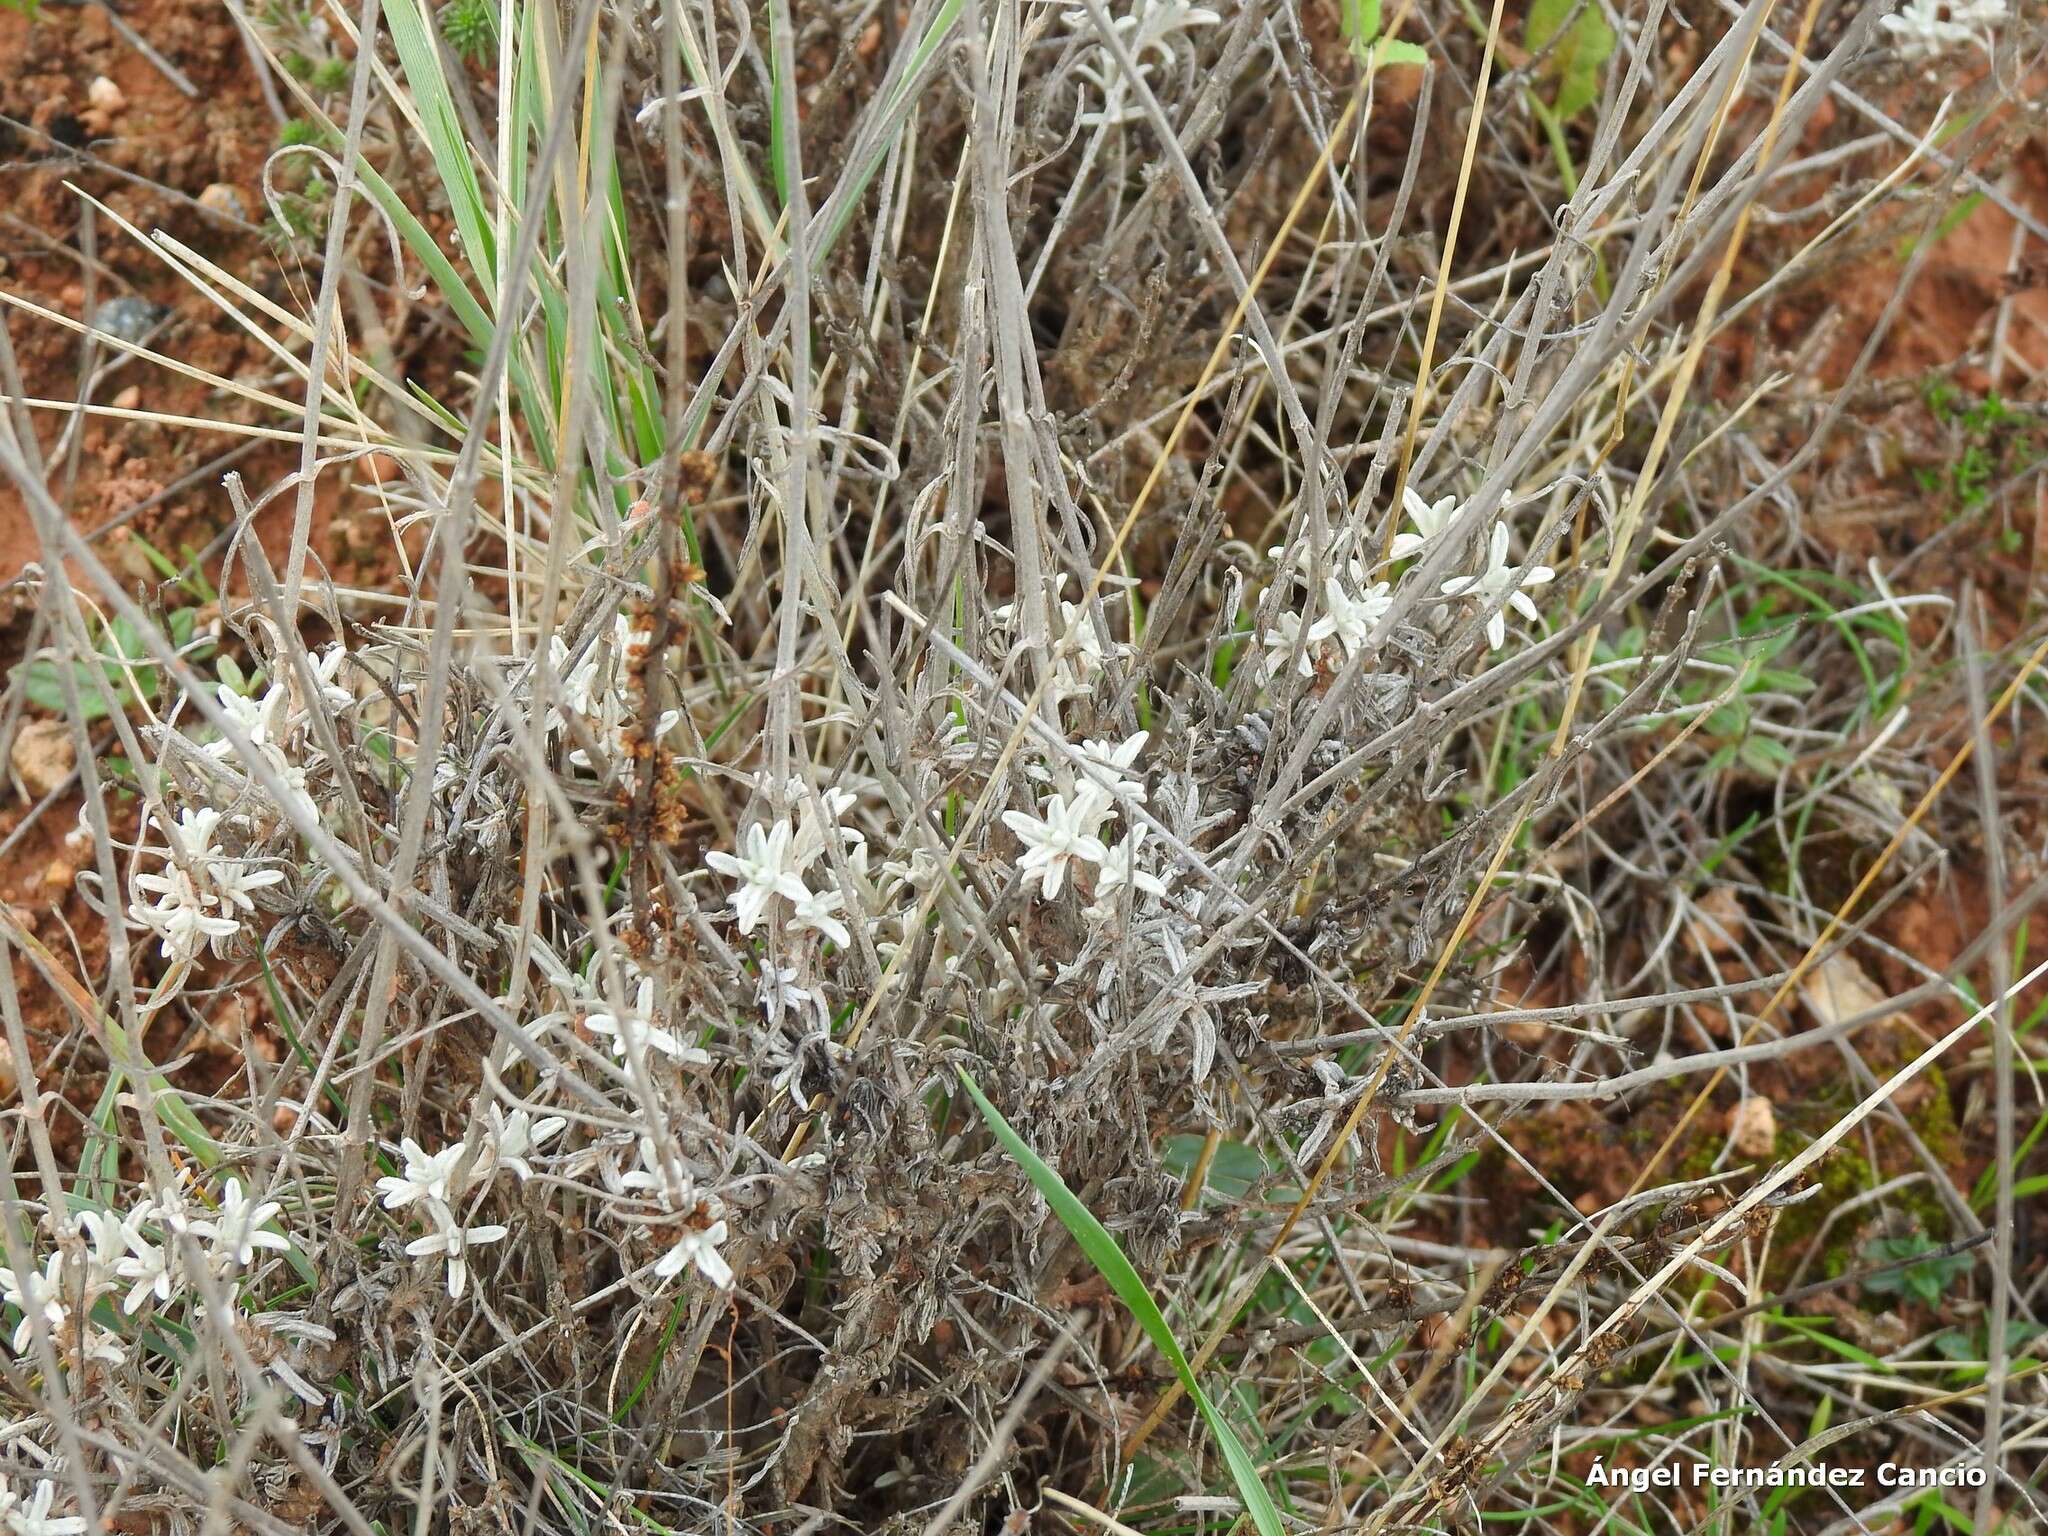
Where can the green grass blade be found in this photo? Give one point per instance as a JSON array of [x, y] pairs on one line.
[[847, 198], [418, 53], [1106, 1256]]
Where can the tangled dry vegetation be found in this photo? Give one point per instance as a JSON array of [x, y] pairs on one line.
[[1247, 586]]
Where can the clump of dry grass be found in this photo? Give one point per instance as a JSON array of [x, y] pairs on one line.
[[1136, 553]]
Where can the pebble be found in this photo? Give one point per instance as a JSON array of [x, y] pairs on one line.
[[1753, 1127], [129, 318], [1717, 926], [222, 199], [129, 399], [43, 755], [1526, 1033], [105, 96]]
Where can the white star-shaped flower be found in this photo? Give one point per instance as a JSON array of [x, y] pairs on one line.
[[236, 1228], [699, 1247], [1428, 519], [508, 1138], [1500, 587], [455, 1242], [1066, 831], [1350, 618], [35, 1295], [182, 915], [427, 1176], [770, 867], [816, 912], [107, 1240], [147, 1269], [778, 993], [1108, 765], [1120, 867], [1280, 643], [637, 1028]]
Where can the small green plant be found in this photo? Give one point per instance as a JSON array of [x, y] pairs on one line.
[[1575, 41], [1579, 41], [1926, 1281], [121, 659], [1970, 1348], [297, 132], [1731, 726], [471, 27], [1362, 33], [1991, 442]]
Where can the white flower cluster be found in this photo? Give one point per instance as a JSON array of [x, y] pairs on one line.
[[596, 690], [437, 1181], [699, 1219], [1353, 603], [280, 722], [1350, 610], [202, 894], [777, 857], [1067, 830], [446, 1189], [639, 1029], [1156, 32], [141, 1255], [1076, 667], [1927, 29]]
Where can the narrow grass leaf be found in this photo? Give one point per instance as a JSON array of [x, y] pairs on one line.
[[1104, 1253]]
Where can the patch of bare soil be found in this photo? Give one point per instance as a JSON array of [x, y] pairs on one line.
[[85, 115]]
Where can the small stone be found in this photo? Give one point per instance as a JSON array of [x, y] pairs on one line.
[[222, 199], [128, 318], [1718, 923], [1838, 989], [58, 876], [44, 756], [1753, 1127], [105, 96], [129, 399]]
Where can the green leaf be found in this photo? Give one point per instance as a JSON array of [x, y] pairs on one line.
[[421, 60], [1361, 26], [1106, 1256], [911, 82], [44, 687], [1392, 50], [1581, 52], [1954, 1344], [1232, 1171]]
